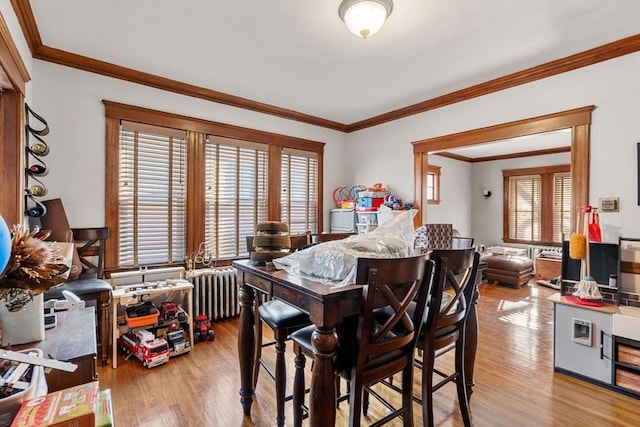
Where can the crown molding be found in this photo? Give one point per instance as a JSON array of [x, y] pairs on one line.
[[548, 69], [605, 52]]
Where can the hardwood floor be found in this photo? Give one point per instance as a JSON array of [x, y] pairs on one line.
[[515, 382]]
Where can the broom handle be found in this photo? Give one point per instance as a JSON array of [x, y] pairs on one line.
[[587, 261]]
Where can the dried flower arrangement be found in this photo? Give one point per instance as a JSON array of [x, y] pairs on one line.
[[33, 267]]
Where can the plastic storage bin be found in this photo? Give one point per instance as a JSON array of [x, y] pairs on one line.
[[9, 406], [141, 315]]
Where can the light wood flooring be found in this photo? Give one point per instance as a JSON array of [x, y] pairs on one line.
[[515, 382]]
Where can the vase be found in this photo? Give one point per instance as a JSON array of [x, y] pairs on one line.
[[25, 325]]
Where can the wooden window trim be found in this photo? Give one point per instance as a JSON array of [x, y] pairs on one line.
[[197, 131], [435, 170], [546, 173]]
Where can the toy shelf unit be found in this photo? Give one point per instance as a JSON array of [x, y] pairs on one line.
[[367, 210], [164, 288]]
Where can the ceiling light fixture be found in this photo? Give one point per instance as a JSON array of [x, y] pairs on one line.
[[365, 17]]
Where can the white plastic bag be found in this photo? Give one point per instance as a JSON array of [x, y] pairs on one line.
[[334, 262]]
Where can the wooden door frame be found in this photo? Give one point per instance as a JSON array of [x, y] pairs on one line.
[[578, 120], [13, 79]]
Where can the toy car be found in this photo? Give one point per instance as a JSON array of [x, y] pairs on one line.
[[178, 344], [168, 311], [202, 329]]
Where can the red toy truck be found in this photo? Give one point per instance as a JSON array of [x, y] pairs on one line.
[[202, 328], [145, 346]]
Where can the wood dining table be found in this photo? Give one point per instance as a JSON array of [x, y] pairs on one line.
[[327, 305]]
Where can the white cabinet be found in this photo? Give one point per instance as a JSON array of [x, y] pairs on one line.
[[583, 342], [342, 221]]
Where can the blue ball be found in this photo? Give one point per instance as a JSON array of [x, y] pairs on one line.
[[5, 245]]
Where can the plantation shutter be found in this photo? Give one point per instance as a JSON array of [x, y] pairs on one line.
[[235, 194], [299, 191], [152, 195], [561, 206], [524, 207]]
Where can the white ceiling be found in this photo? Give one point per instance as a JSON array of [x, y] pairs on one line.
[[298, 54]]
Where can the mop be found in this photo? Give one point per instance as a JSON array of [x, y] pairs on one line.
[[587, 289]]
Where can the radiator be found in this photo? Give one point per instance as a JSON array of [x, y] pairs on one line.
[[534, 250], [215, 292]]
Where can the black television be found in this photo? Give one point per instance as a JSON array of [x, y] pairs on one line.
[[603, 258]]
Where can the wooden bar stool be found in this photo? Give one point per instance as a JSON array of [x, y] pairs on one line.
[[283, 319]]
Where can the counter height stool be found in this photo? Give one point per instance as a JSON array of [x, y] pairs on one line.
[[444, 329], [369, 352], [283, 319]]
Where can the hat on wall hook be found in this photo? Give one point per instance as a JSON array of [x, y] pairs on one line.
[[486, 193]]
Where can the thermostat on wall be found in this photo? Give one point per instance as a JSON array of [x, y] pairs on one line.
[[609, 204]]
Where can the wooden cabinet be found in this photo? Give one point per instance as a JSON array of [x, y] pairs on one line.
[[626, 365]]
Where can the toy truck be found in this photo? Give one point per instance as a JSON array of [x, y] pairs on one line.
[[145, 346], [178, 344], [168, 311], [202, 328]]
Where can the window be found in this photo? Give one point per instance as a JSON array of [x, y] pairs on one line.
[[176, 184], [299, 191], [235, 195], [152, 196], [433, 184], [538, 204]]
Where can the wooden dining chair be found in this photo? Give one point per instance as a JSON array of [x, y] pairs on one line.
[[444, 330], [369, 351], [89, 285], [282, 318]]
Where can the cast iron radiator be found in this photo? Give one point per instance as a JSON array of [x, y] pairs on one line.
[[215, 292], [534, 250]]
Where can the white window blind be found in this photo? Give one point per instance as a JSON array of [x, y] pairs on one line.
[[524, 206], [561, 206], [539, 203], [152, 195], [235, 194], [299, 191]]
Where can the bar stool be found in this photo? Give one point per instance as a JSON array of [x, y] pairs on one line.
[[369, 352], [444, 329], [283, 319]]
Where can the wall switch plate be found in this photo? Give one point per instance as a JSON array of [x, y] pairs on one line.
[[609, 204]]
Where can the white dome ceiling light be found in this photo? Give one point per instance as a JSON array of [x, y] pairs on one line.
[[365, 17]]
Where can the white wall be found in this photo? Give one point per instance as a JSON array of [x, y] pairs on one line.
[[71, 101], [384, 152], [456, 192]]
